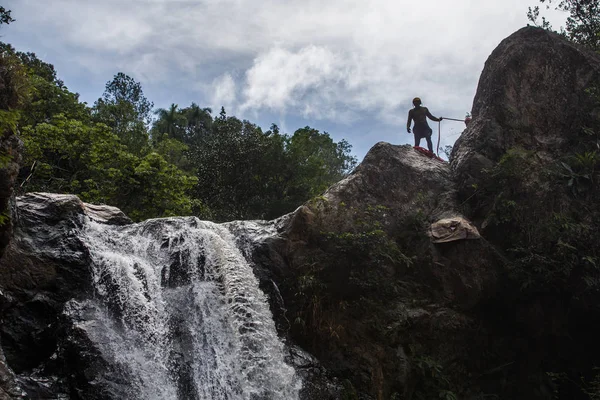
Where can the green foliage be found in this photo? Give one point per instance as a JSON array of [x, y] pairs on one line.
[[582, 24], [349, 392], [175, 152], [14, 93], [123, 89], [33, 64], [41, 94], [219, 168], [5, 17], [244, 172], [89, 160], [348, 266], [159, 188], [75, 154], [433, 382], [592, 389], [238, 170], [8, 121], [579, 171], [171, 123], [125, 109], [317, 160], [546, 239], [14, 80]]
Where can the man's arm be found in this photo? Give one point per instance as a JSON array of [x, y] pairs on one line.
[[410, 118], [431, 117]]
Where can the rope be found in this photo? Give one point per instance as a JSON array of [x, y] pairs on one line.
[[437, 151], [440, 131]]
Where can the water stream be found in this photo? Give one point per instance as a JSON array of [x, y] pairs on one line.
[[179, 311]]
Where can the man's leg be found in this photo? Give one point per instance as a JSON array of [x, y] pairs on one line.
[[429, 144], [417, 140]]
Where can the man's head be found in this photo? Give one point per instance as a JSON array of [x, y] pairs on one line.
[[416, 101]]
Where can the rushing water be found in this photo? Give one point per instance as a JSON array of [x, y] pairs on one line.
[[179, 311]]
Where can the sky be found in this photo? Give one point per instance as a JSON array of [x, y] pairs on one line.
[[347, 67]]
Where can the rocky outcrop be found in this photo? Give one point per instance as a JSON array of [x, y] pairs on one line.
[[365, 288], [533, 93], [43, 268], [526, 173], [489, 316]]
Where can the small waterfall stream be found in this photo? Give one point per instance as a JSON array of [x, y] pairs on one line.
[[179, 311]]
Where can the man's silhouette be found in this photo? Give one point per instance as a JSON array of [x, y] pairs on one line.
[[421, 129]]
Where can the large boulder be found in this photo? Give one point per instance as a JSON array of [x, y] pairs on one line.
[[365, 287], [45, 266], [533, 93], [526, 170]]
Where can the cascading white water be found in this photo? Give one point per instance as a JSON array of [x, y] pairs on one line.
[[179, 311]]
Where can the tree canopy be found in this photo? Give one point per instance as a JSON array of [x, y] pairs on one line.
[[5, 17], [168, 161], [582, 24]]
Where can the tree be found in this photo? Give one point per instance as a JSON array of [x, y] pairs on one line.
[[317, 160], [582, 24], [221, 168], [124, 88], [14, 84], [125, 109], [199, 123], [245, 173], [170, 124], [74, 153], [46, 94], [5, 17], [90, 161], [33, 64], [227, 161]]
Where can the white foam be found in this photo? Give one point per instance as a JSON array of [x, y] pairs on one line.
[[210, 336]]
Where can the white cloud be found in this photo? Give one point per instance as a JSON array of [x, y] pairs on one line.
[[339, 61], [224, 93], [281, 79]]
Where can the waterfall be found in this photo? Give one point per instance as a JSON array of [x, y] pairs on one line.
[[178, 310]]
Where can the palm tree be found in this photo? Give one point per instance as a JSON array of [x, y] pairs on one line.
[[199, 122], [170, 123]]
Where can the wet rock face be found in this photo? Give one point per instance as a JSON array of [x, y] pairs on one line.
[[44, 266]]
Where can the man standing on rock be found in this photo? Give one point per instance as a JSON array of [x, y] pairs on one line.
[[421, 129]]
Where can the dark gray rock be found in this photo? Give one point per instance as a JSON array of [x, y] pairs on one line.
[[531, 93], [45, 266], [367, 345], [400, 178], [9, 387]]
